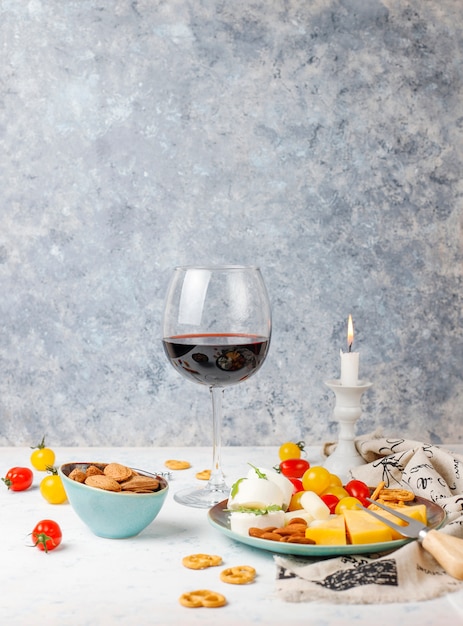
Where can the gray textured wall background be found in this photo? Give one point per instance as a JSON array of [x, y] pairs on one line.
[[319, 139]]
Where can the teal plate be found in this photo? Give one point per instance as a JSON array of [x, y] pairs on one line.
[[218, 518]]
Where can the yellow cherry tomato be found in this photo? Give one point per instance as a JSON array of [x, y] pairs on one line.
[[290, 450], [316, 478], [337, 491], [347, 503], [295, 502], [335, 480], [52, 488], [42, 457]]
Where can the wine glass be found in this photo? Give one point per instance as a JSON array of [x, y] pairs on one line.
[[216, 331]]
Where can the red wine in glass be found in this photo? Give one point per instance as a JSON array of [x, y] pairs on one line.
[[216, 330], [216, 358]]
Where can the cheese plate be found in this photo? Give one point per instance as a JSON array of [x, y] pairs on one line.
[[218, 517]]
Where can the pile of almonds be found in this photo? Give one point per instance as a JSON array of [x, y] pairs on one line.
[[115, 477]]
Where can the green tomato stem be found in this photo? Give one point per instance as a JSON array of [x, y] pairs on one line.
[[40, 446], [42, 539]]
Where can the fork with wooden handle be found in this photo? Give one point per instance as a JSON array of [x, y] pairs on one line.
[[446, 549]]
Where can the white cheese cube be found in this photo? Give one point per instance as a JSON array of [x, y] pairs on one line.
[[314, 505]]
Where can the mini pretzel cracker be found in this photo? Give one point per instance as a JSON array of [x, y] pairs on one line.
[[204, 475], [375, 493], [396, 495], [239, 575], [202, 598], [201, 561], [173, 464], [390, 496]]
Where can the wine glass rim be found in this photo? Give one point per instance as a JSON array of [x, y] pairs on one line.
[[217, 267]]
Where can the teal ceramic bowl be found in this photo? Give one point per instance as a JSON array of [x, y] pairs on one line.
[[114, 515]]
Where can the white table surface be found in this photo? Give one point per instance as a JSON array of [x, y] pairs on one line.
[[90, 580]]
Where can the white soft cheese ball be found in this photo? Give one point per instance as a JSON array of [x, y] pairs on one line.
[[283, 483], [240, 523], [255, 493]]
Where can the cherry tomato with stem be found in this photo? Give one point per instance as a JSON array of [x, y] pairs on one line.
[[47, 535], [290, 450], [42, 457], [358, 489], [294, 468], [52, 488], [18, 478]]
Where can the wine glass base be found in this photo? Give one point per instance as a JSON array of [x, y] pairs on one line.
[[202, 498]]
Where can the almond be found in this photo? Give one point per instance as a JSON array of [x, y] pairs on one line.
[[103, 482], [78, 475], [134, 483], [117, 471]]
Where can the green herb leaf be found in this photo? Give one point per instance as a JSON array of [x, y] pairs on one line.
[[258, 472], [236, 486], [262, 511]]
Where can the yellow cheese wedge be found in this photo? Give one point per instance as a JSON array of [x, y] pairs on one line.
[[361, 527], [415, 511], [330, 532]]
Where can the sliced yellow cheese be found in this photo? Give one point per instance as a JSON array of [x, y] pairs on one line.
[[361, 527], [330, 532], [415, 511]]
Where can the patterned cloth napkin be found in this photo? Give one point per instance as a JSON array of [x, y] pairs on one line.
[[408, 574]]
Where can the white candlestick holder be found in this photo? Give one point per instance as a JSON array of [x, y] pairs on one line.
[[347, 411]]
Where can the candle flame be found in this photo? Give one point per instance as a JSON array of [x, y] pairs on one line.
[[350, 333]]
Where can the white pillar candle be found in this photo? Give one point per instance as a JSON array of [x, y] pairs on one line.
[[349, 360]]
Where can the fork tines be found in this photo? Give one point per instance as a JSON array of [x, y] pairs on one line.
[[403, 530], [395, 512]]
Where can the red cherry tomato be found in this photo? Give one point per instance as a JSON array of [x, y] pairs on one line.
[[294, 468], [18, 478], [331, 501], [47, 535], [297, 484], [358, 489]]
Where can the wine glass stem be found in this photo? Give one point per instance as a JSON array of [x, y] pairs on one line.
[[217, 480]]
